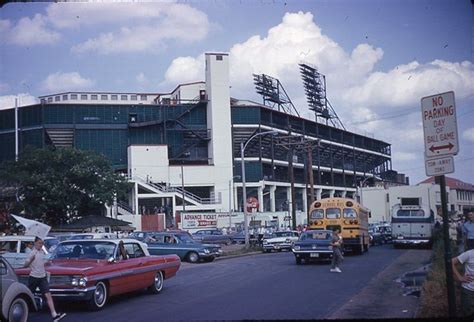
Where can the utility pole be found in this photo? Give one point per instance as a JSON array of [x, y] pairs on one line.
[[292, 187], [311, 174]]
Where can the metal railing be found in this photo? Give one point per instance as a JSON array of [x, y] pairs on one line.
[[125, 206], [179, 191]]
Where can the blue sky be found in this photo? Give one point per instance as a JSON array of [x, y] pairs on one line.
[[380, 57]]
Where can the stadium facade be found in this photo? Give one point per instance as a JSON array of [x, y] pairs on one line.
[[185, 145]]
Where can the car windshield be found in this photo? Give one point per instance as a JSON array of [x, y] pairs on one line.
[[333, 213], [85, 249], [317, 214], [316, 235], [350, 213], [77, 237], [411, 213]]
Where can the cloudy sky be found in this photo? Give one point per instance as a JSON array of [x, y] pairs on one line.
[[379, 57]]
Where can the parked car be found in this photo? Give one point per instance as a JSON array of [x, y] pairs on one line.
[[212, 236], [280, 240], [239, 238], [91, 270], [313, 245], [375, 236], [17, 299], [386, 232], [93, 236], [14, 248], [184, 246]]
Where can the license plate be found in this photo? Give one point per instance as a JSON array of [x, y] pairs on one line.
[[314, 255]]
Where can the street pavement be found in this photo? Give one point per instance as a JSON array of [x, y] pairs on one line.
[[264, 286]]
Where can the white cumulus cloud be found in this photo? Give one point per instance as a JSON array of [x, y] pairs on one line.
[[142, 26], [28, 31], [23, 99], [60, 82]]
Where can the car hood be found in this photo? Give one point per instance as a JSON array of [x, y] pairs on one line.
[[67, 267], [280, 239]]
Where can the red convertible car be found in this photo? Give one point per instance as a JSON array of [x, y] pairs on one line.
[[93, 270]]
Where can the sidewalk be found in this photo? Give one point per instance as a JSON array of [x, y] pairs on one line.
[[383, 298]]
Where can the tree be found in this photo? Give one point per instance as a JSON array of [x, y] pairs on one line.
[[53, 184]]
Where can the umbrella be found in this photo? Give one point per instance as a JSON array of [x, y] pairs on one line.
[[33, 227]]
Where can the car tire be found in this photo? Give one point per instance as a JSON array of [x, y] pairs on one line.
[[99, 297], [18, 310], [267, 250], [192, 257], [158, 282], [298, 261]]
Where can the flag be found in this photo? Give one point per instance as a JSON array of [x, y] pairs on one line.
[[33, 227]]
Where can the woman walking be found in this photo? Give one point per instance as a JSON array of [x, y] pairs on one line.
[[336, 244]]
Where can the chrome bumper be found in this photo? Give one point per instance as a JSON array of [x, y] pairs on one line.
[[75, 293], [276, 246], [411, 241], [214, 254]]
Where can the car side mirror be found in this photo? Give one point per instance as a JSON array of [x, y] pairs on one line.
[[111, 260]]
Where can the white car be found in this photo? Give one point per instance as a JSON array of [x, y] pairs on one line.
[[92, 236], [280, 240], [14, 248]]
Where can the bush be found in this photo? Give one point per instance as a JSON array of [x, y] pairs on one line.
[[434, 294]]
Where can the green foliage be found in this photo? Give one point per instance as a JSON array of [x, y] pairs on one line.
[[54, 184]]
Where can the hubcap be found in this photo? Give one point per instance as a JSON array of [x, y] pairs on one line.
[[18, 312], [158, 281], [193, 257], [99, 295]]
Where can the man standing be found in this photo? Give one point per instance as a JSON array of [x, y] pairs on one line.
[[336, 244], [468, 229], [467, 286], [35, 261]]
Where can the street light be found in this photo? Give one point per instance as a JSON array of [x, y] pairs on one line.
[[362, 185], [244, 190], [231, 199]]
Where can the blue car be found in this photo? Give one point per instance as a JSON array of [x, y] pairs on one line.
[[184, 246], [313, 245]]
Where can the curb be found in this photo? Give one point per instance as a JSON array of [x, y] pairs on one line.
[[238, 255]]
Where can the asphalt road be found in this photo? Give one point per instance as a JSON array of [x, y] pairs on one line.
[[266, 286]]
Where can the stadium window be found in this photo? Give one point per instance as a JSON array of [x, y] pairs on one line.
[[104, 97], [114, 97], [43, 101], [219, 57], [124, 97], [143, 98], [65, 97], [74, 96], [83, 97], [57, 98], [94, 97], [50, 99], [133, 97]]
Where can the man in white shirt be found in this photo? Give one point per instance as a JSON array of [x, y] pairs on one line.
[[38, 279], [467, 286]]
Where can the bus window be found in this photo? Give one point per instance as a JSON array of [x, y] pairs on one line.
[[333, 213], [350, 213], [403, 213], [317, 214], [417, 213]]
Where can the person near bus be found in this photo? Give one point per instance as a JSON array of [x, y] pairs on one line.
[[467, 280], [336, 244], [468, 229]]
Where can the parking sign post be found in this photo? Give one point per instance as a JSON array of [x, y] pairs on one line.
[[440, 134]]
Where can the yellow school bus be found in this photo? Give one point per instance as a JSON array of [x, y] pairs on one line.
[[346, 215]]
